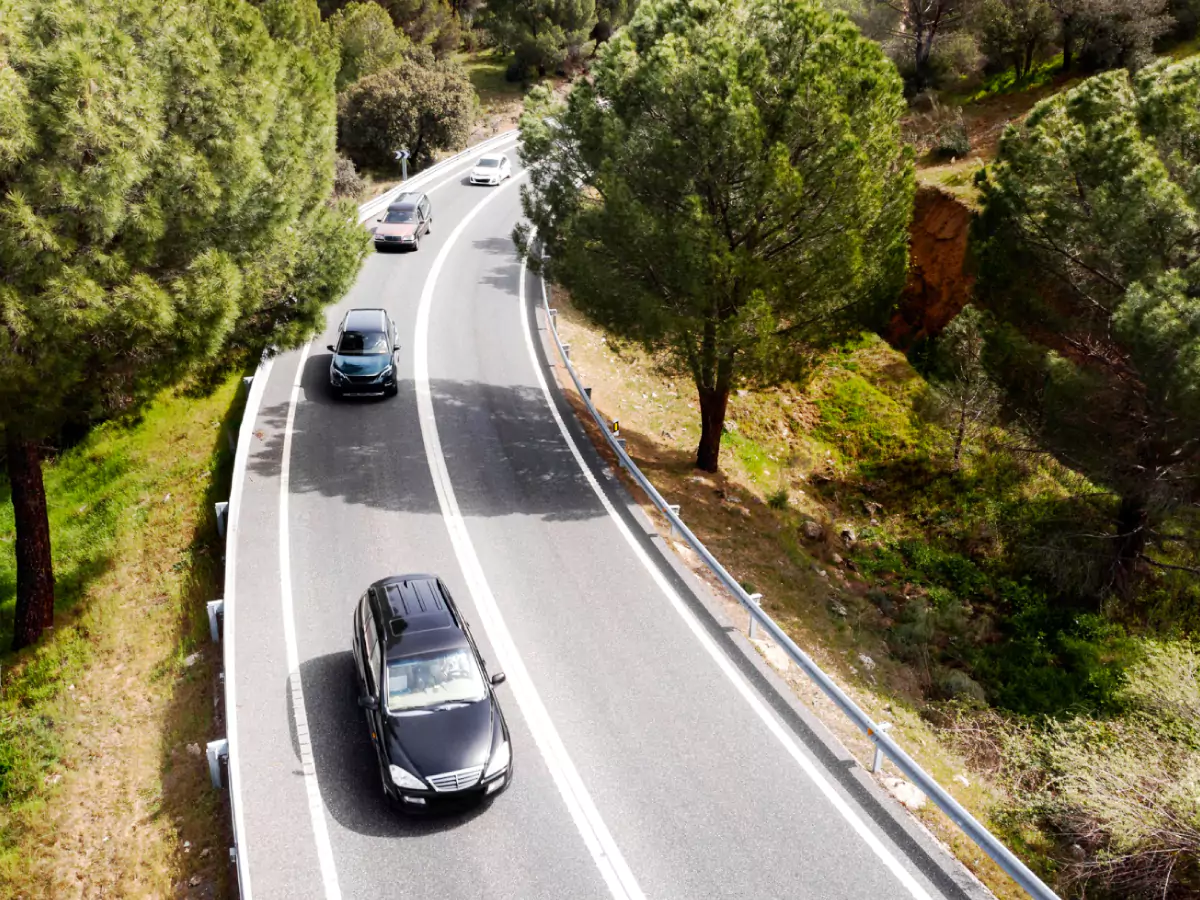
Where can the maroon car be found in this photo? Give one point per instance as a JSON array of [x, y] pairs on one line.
[[406, 221]]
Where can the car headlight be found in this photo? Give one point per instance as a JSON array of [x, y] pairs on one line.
[[337, 376], [500, 760], [402, 778], [386, 372]]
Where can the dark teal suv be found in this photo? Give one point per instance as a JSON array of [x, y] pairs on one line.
[[364, 357]]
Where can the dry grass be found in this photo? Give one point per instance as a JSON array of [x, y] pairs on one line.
[[126, 810], [760, 546]]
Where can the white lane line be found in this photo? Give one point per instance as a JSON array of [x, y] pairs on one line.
[[316, 809], [596, 836], [748, 693], [229, 645]]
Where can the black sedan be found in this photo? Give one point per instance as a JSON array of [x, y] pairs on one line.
[[431, 709]]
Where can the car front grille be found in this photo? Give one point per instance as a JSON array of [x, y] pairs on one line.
[[456, 781], [363, 379], [394, 238]]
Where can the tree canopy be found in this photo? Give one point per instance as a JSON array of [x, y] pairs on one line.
[[1089, 252], [541, 33], [423, 107], [164, 174], [729, 190], [367, 39]]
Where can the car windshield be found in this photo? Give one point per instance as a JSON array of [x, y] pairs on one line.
[[489, 162], [399, 216], [434, 679], [363, 343]]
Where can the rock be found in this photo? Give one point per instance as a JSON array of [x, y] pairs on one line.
[[836, 559], [848, 535], [1077, 853], [191, 660], [867, 662], [909, 795], [812, 531], [838, 609], [193, 749], [194, 881], [962, 779], [205, 852], [821, 572], [742, 392]]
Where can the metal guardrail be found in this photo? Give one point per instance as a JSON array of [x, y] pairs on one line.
[[228, 514], [884, 745]]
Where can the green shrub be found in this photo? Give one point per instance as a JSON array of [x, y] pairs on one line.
[[779, 499]]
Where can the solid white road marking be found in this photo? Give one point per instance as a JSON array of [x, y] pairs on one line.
[[595, 833], [316, 809], [747, 692], [249, 416]]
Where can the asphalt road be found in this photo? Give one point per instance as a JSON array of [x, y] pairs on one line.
[[652, 757]]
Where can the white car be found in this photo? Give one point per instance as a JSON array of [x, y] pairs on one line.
[[491, 169]]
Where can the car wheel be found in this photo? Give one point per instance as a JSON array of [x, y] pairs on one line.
[[336, 393]]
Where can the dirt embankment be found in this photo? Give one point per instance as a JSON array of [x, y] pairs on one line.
[[938, 284]]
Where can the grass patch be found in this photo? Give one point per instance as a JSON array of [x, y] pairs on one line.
[[97, 785], [487, 73], [1009, 82]]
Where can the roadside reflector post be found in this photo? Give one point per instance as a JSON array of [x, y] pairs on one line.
[[674, 508], [877, 762], [756, 599], [218, 755], [216, 619], [616, 426], [222, 517], [247, 380]]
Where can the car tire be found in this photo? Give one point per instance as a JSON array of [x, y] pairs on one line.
[[336, 393]]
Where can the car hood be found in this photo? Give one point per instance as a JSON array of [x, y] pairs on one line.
[[396, 229], [362, 365], [437, 741]]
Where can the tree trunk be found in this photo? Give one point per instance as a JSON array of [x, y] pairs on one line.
[[1068, 44], [1132, 522], [35, 570], [960, 436], [713, 402]]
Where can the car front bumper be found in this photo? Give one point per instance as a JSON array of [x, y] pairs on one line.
[[348, 388], [433, 801], [491, 181]]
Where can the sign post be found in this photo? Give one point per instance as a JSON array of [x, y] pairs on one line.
[[402, 156]]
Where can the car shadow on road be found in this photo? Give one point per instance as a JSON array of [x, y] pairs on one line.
[[502, 447], [345, 761]]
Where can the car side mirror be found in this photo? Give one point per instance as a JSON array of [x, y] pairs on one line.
[[379, 220], [396, 346], [368, 703], [329, 347], [499, 678]]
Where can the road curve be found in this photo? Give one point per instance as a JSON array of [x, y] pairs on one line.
[[653, 756]]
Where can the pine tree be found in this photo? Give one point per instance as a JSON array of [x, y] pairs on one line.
[[164, 174], [1089, 249], [728, 190], [541, 33]]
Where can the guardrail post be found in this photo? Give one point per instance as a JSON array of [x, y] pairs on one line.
[[588, 391], [877, 761], [222, 517], [756, 599], [674, 508], [216, 619], [621, 444], [218, 756], [553, 318], [566, 351]]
